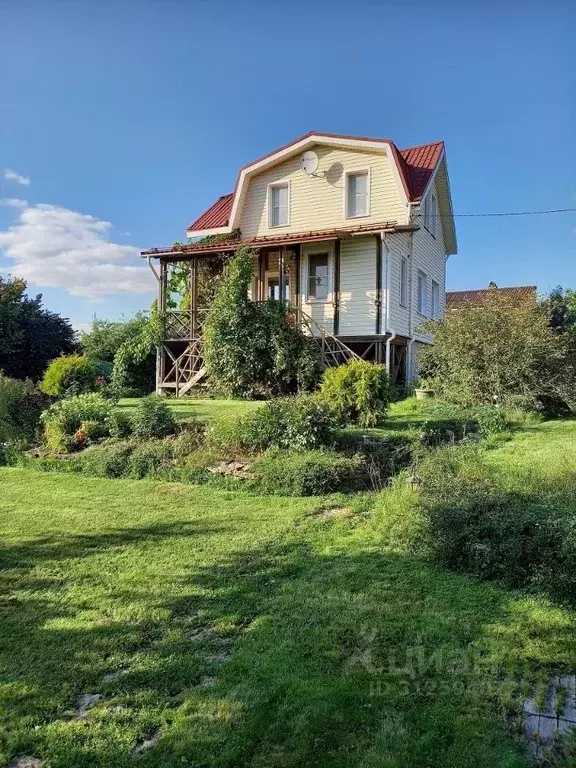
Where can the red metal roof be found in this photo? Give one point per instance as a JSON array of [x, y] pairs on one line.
[[231, 244], [420, 163], [216, 216], [519, 293], [416, 166]]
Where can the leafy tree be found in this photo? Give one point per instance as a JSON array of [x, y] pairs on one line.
[[560, 306], [251, 348], [105, 337], [30, 336], [500, 352], [134, 370]]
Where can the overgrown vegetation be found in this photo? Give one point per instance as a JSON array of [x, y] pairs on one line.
[[502, 352], [358, 392], [30, 336], [302, 422], [69, 423], [71, 375], [20, 407], [478, 524], [255, 349]]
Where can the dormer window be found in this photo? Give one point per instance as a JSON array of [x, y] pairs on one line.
[[430, 213], [279, 204], [357, 201]]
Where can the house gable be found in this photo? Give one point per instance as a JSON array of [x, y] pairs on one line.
[[317, 202]]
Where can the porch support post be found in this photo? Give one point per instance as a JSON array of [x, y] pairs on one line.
[[378, 285], [297, 262], [281, 274], [160, 354], [193, 298], [262, 257], [337, 287]]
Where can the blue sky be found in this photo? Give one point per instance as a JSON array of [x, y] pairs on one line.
[[139, 114]]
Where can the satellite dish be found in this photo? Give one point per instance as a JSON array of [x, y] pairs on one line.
[[309, 162]]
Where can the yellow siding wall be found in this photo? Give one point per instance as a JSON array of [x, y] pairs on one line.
[[317, 203], [358, 286]]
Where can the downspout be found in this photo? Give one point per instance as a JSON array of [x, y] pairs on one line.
[[411, 338], [387, 329]]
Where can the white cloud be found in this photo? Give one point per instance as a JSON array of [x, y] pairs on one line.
[[60, 248], [10, 175], [13, 202]]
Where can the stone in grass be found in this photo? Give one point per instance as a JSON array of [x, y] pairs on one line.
[[144, 744], [112, 677], [325, 513], [27, 762], [206, 682], [85, 702]]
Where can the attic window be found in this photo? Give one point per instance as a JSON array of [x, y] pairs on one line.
[[357, 201], [430, 213], [278, 205]]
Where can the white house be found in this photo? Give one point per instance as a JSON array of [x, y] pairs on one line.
[[353, 231]]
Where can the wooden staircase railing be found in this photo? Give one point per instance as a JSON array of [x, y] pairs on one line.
[[179, 373]]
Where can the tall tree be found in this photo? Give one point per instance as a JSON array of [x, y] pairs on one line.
[[30, 336]]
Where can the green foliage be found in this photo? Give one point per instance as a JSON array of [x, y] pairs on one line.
[[63, 420], [359, 392], [105, 337], [501, 352], [134, 371], [450, 422], [152, 418], [254, 349], [20, 407], [477, 525], [30, 336], [74, 374], [301, 422], [307, 473], [119, 423]]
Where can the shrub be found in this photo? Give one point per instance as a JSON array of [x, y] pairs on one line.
[[20, 407], [251, 348], [359, 392], [300, 423], [63, 421], [477, 526], [152, 418], [503, 351], [490, 420], [71, 375], [119, 423], [150, 457], [382, 458], [307, 473], [109, 459]]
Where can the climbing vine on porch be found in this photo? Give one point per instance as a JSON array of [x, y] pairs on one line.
[[255, 349]]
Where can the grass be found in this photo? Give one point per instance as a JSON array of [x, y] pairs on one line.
[[202, 408], [265, 632]]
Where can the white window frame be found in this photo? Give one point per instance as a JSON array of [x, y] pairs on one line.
[[357, 172], [317, 252], [403, 294], [435, 300], [431, 213], [277, 185], [422, 299]]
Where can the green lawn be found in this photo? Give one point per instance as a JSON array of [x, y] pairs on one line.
[[205, 409], [265, 632]]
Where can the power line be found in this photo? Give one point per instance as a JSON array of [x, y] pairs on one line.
[[507, 213]]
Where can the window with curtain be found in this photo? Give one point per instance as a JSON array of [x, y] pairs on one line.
[[357, 194], [318, 282]]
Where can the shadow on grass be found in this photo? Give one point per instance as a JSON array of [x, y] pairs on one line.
[[278, 656]]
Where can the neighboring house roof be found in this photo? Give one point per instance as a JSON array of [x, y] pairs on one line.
[[416, 166], [518, 293]]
